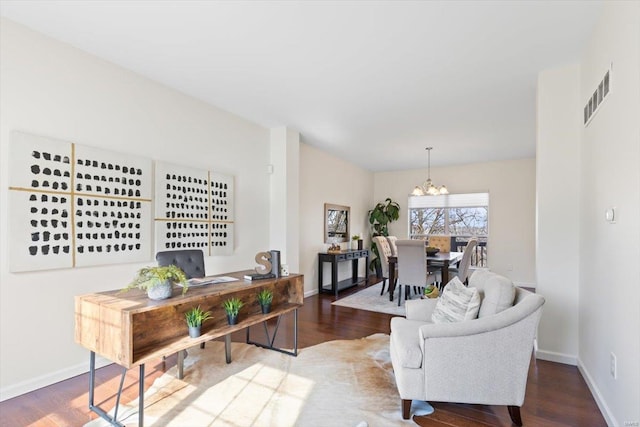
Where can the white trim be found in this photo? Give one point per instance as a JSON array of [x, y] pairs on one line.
[[51, 378], [597, 396], [552, 356], [310, 293]]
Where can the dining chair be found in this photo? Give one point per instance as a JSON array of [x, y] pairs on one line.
[[384, 252], [412, 268], [462, 270], [392, 243]]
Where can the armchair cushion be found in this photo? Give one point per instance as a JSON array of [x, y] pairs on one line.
[[497, 292], [457, 303]]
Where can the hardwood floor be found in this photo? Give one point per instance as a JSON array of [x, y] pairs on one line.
[[556, 394]]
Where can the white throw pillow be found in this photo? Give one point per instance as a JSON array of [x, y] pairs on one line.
[[457, 303]]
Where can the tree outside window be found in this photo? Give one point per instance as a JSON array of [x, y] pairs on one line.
[[460, 222]]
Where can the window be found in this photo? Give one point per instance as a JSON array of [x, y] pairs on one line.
[[461, 216]]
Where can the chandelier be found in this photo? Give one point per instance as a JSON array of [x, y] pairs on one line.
[[428, 189]]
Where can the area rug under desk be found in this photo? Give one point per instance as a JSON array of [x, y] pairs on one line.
[[370, 299], [337, 383]]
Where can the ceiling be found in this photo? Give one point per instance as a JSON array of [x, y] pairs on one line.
[[372, 82]]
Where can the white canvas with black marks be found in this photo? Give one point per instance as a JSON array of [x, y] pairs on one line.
[[190, 205], [74, 205]]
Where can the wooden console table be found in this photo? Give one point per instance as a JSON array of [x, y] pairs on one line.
[[130, 329], [334, 258]]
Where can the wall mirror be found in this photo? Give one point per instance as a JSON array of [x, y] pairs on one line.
[[336, 223]]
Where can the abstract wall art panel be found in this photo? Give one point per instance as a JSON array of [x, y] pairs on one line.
[[74, 205], [193, 209]]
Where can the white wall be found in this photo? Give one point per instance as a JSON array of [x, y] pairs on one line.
[[284, 217], [52, 89], [609, 305], [328, 179], [511, 187], [558, 211]]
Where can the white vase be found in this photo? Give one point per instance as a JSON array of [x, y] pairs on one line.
[[161, 291]]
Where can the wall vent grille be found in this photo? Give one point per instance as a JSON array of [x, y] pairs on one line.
[[597, 98]]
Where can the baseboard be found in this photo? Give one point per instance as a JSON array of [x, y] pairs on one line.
[[15, 390], [310, 293], [556, 357], [597, 396]]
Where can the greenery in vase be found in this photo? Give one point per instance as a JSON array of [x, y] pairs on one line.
[[150, 277], [232, 306], [265, 296], [379, 218], [355, 237], [196, 316]]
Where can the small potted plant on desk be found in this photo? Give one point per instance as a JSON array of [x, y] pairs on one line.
[[265, 297], [232, 307], [158, 281], [195, 317]]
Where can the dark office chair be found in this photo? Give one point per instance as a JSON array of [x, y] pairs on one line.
[[191, 261]]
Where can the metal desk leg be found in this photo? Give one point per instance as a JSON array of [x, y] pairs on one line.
[[141, 397], [180, 364], [271, 340], [104, 415], [227, 347]]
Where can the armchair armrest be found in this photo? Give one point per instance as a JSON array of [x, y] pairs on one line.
[[478, 326], [420, 309]]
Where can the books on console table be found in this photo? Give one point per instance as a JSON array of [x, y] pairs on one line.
[[257, 276]]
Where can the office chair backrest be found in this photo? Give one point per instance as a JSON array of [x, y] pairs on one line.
[[190, 261]]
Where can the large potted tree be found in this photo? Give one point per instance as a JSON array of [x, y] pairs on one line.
[[379, 218]]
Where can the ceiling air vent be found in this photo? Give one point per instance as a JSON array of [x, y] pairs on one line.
[[599, 95]]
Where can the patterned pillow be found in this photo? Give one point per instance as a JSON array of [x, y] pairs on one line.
[[457, 303]]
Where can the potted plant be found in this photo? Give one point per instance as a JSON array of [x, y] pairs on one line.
[[379, 218], [195, 317], [158, 281], [232, 307], [265, 297]]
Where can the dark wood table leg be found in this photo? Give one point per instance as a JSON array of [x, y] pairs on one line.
[[334, 276], [392, 278], [445, 273], [354, 270], [320, 265]]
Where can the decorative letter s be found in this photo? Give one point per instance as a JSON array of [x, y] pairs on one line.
[[264, 259]]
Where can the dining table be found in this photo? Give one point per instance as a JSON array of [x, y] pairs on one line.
[[441, 259]]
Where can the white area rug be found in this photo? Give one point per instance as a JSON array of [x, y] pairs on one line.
[[371, 300], [337, 383]]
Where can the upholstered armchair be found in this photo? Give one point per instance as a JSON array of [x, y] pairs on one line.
[[480, 361]]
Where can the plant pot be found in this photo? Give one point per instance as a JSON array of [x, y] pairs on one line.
[[232, 320], [194, 331], [266, 308], [161, 291]]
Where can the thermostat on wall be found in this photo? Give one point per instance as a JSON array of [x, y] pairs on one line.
[[610, 215]]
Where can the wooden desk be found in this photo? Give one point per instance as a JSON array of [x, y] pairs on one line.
[[130, 329], [334, 258], [445, 259]]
